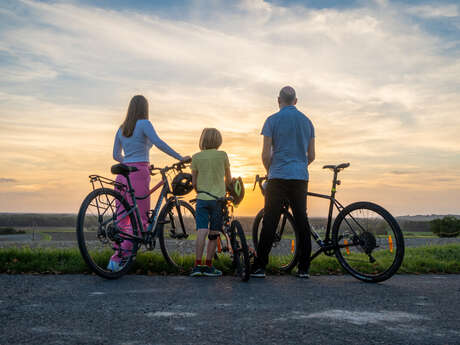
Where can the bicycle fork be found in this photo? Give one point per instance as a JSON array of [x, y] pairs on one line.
[[173, 233]]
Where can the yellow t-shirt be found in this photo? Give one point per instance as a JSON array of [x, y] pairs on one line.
[[210, 165]]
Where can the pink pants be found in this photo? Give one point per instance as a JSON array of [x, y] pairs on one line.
[[140, 181]]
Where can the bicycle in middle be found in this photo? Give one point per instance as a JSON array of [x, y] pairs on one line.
[[232, 240]]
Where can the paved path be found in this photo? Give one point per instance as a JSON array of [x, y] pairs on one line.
[[85, 309]]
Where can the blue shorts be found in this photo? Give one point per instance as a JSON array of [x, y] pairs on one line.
[[208, 215]]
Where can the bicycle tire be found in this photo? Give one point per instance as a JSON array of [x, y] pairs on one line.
[[240, 256], [374, 248], [290, 255], [177, 251], [91, 236]]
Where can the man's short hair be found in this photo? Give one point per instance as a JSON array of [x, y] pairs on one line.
[[287, 95]]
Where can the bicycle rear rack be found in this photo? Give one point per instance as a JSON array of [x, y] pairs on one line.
[[104, 182]]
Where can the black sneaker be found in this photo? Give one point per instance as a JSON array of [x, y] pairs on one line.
[[197, 271], [302, 274], [258, 273], [211, 271]]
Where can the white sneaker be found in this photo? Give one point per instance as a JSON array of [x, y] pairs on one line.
[[114, 266]]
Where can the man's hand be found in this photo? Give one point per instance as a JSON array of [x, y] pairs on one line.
[[311, 151]]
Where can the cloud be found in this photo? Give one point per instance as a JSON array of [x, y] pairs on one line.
[[381, 91], [7, 180], [399, 172], [434, 11]]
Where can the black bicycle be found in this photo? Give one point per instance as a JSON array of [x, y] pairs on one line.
[[365, 238], [234, 240], [107, 223]]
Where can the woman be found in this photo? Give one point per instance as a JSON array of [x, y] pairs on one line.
[[135, 137]]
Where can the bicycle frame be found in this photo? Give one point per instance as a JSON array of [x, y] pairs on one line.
[[332, 202], [154, 214], [134, 208], [326, 244], [227, 217], [227, 220], [351, 227]]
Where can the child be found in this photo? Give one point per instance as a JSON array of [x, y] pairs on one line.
[[210, 174]]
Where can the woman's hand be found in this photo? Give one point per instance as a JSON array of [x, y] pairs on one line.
[[186, 159]]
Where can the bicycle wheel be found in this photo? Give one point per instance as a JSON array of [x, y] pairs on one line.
[[240, 250], [177, 223], [369, 243], [284, 254], [102, 225]]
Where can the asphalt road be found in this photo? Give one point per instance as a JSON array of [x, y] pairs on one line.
[[85, 309]]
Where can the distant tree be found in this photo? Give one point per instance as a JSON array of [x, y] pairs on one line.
[[448, 226], [37, 219], [415, 225], [11, 231]]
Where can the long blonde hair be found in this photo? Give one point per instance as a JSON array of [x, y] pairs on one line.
[[138, 110], [210, 139]]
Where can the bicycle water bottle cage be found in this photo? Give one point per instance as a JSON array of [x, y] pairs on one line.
[[121, 169]]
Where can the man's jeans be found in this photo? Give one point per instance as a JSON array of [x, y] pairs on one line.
[[295, 191]]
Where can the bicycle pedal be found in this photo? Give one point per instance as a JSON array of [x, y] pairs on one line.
[[178, 236]]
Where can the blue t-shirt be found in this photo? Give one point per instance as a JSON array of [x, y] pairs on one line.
[[291, 132], [136, 147]]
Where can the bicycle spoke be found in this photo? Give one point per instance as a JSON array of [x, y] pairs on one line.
[[283, 254], [369, 243], [177, 234], [103, 235]]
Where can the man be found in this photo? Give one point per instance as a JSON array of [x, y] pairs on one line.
[[288, 149]]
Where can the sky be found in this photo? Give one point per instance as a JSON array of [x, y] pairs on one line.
[[380, 81]]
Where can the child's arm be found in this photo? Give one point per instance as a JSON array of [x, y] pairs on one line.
[[228, 173], [228, 176]]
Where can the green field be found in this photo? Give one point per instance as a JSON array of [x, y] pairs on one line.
[[428, 259], [47, 232], [68, 221]]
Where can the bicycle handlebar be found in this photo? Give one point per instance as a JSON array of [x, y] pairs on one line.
[[335, 168], [259, 180], [176, 166]]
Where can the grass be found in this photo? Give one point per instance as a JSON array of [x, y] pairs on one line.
[[428, 259], [247, 225], [420, 234], [10, 231]]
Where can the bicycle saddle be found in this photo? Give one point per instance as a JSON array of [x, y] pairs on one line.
[[121, 169], [337, 168]]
